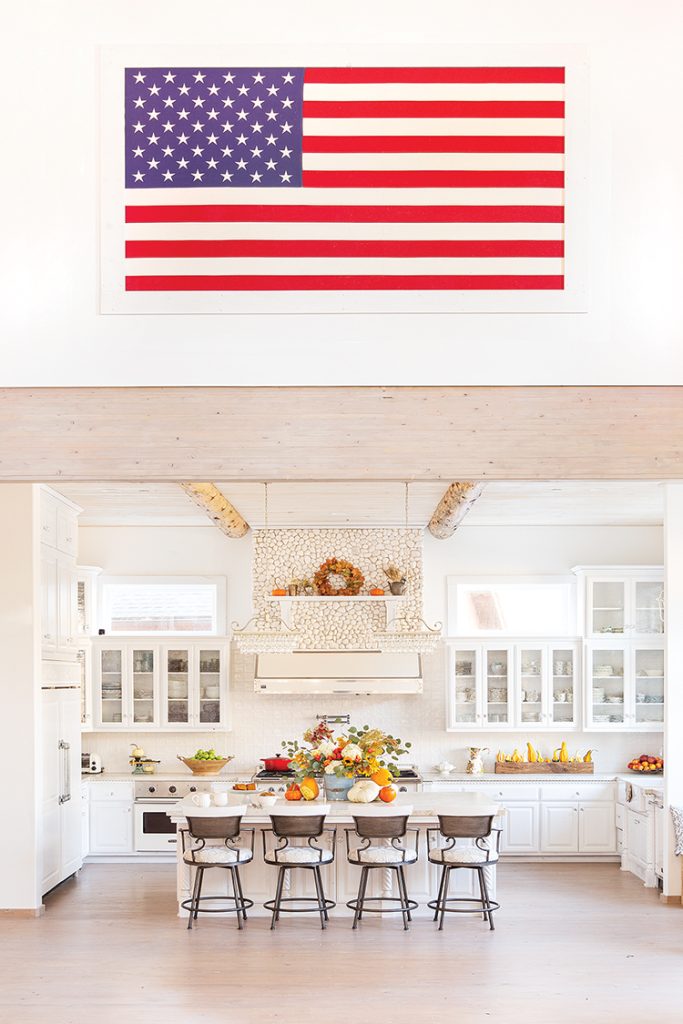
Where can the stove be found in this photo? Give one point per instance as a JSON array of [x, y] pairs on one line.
[[154, 830], [150, 789]]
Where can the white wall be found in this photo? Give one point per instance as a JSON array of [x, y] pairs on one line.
[[673, 748], [19, 697], [260, 722], [52, 334]]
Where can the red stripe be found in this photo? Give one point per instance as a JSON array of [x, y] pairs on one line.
[[433, 108], [345, 214], [351, 282], [433, 179], [361, 75], [184, 249], [433, 144]]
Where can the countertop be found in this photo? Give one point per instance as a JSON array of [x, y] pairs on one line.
[[424, 808]]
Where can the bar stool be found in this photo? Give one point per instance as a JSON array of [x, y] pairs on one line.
[[390, 856], [309, 825], [225, 826], [476, 857]]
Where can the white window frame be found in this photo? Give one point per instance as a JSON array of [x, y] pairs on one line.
[[453, 582], [220, 582]]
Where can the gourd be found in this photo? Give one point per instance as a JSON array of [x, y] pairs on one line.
[[363, 792]]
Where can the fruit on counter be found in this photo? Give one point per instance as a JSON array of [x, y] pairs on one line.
[[207, 755], [293, 792], [387, 794], [363, 791], [382, 777], [535, 756], [242, 787], [588, 757], [309, 788], [564, 756], [646, 763], [137, 752]]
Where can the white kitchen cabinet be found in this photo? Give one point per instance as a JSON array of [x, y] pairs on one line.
[[86, 599], [126, 685], [111, 818], [84, 659], [59, 538], [659, 839], [85, 819], [636, 838], [624, 689], [518, 684], [626, 601], [596, 827], [172, 686], [521, 828], [61, 850], [559, 827]]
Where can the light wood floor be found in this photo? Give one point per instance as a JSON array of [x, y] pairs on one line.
[[580, 944]]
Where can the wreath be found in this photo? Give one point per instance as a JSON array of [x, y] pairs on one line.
[[352, 578]]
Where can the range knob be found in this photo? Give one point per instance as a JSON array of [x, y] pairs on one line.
[[172, 789], [193, 789], [152, 789]]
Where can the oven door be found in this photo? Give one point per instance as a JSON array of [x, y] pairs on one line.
[[154, 830]]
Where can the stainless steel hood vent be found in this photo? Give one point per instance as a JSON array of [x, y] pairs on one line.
[[362, 672]]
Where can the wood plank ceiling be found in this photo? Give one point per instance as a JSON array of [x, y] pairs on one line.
[[318, 433]]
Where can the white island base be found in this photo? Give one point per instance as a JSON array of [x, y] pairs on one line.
[[341, 878]]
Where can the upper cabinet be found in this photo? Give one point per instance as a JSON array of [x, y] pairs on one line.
[[622, 601], [59, 544], [624, 686], [497, 687], [171, 686]]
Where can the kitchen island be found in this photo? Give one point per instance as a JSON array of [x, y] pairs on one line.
[[340, 878]]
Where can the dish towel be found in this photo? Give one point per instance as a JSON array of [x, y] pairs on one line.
[[677, 815]]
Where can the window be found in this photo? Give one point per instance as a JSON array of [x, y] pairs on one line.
[[162, 605], [512, 606]]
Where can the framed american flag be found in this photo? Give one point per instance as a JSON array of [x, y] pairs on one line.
[[237, 180]]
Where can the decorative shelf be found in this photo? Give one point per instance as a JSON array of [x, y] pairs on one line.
[[323, 599]]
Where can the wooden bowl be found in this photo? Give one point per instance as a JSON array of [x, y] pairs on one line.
[[205, 767]]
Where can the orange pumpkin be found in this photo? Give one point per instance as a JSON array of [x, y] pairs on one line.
[[293, 793], [377, 592], [309, 788], [387, 794], [279, 592], [382, 777]]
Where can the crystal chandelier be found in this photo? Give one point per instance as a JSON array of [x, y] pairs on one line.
[[261, 634], [413, 636]]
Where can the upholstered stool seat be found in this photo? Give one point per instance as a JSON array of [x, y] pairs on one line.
[[480, 854], [462, 855], [382, 855], [222, 825], [218, 855], [299, 855]]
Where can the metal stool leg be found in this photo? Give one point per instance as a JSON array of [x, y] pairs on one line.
[[193, 898], [445, 896], [236, 896], [236, 877], [404, 896], [480, 876], [488, 901], [441, 894], [322, 894], [278, 896], [321, 898], [359, 897], [200, 872], [366, 872]]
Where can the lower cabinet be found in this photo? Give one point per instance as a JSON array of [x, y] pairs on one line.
[[521, 828], [111, 819], [559, 828], [636, 838], [597, 832], [583, 827]]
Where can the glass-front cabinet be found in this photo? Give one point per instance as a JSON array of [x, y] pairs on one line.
[[162, 686], [624, 686], [495, 687], [623, 601]]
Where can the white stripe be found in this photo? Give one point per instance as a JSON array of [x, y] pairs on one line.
[[434, 161], [433, 126], [164, 232], [355, 265], [347, 197], [477, 91]]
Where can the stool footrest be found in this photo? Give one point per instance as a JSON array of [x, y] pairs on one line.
[[239, 904], [328, 904], [409, 905], [480, 908]]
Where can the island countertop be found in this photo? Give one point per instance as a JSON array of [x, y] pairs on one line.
[[424, 808]]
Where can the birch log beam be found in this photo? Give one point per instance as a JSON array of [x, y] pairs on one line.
[[453, 507], [217, 507]]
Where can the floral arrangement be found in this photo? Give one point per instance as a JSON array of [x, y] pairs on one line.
[[349, 576], [394, 574], [361, 753]]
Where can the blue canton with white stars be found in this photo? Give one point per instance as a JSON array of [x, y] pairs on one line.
[[214, 127]]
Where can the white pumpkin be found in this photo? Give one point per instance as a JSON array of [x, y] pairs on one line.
[[363, 792]]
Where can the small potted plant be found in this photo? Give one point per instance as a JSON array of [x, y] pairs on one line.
[[397, 580]]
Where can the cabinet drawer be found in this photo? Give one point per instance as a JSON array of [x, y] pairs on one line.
[[111, 791], [508, 791], [578, 791]]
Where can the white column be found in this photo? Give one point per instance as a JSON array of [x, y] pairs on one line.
[[20, 696], [673, 728]]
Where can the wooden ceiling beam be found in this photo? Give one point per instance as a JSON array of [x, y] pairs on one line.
[[341, 433], [217, 507], [453, 507]]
